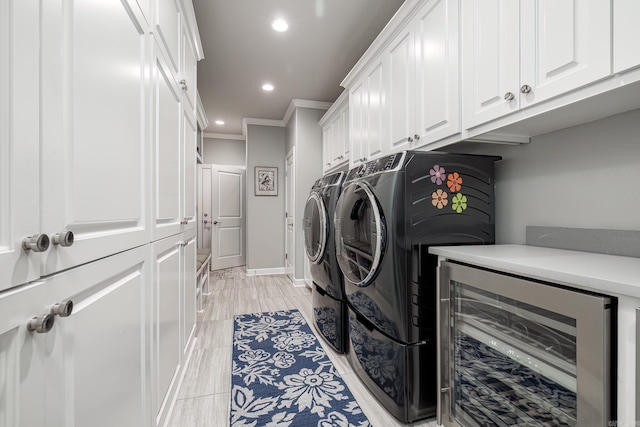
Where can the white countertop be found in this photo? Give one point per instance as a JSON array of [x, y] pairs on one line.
[[607, 274]]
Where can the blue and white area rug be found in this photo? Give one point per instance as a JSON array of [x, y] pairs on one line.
[[282, 376]]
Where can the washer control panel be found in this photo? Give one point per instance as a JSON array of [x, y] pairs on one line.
[[383, 164]]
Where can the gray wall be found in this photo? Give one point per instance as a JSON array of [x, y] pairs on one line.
[[304, 132], [224, 152], [587, 176], [265, 214]]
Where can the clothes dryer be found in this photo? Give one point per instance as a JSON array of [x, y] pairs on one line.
[[329, 308], [390, 211]]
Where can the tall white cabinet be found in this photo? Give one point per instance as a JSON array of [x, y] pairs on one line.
[[97, 209]]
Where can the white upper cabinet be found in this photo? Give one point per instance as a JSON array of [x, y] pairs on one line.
[[166, 134], [366, 112], [94, 176], [516, 54], [189, 67], [626, 34], [168, 30], [188, 170], [19, 141], [335, 133], [437, 70], [422, 78]]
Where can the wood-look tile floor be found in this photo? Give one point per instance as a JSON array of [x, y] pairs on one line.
[[204, 396]]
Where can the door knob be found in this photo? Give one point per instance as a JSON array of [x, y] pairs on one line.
[[525, 89], [36, 243], [64, 238], [509, 96], [217, 222], [62, 308], [42, 324]]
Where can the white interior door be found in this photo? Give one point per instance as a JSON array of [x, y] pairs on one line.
[[228, 216], [289, 255], [204, 207]]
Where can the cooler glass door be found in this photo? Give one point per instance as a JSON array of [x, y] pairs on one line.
[[510, 353]]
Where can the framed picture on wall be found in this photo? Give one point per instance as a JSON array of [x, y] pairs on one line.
[[266, 181]]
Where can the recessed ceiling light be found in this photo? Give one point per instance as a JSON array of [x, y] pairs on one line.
[[219, 122], [267, 87], [280, 25]]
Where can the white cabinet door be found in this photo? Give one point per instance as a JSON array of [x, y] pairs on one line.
[[19, 140], [565, 44], [189, 72], [104, 341], [188, 196], [516, 54], [188, 317], [89, 368], [344, 121], [375, 110], [166, 211], [326, 148], [437, 68], [168, 30], [626, 34], [94, 95], [401, 93], [490, 59], [357, 122], [167, 347]]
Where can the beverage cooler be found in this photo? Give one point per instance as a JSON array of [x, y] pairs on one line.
[[514, 351]]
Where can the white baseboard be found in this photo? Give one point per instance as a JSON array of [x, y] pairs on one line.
[[265, 271], [301, 282]]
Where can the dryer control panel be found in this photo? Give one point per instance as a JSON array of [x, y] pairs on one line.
[[388, 163]]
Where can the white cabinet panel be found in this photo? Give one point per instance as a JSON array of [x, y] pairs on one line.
[[167, 154], [401, 97], [19, 140], [188, 317], [375, 112], [94, 175], [357, 122], [188, 154], [626, 34], [189, 72], [168, 29], [88, 369], [516, 54], [335, 133], [490, 59], [564, 45], [438, 79]]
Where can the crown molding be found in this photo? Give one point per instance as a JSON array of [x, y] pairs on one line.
[[304, 103], [224, 136]]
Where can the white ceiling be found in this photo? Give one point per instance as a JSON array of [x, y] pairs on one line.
[[324, 41]]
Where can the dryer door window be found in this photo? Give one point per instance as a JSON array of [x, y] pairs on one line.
[[315, 228], [360, 233]]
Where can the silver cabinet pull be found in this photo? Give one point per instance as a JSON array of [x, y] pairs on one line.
[[64, 238], [416, 137], [62, 308], [183, 84], [217, 222], [183, 244], [42, 324], [184, 221], [36, 243], [509, 96], [409, 139], [525, 89]]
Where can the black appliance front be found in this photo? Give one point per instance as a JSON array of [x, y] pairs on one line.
[[328, 288], [390, 212]]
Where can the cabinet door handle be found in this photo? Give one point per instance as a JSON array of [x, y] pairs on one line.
[[183, 84], [63, 308], [525, 89], [509, 96], [64, 238], [42, 324], [416, 137], [184, 221], [36, 243], [217, 222], [409, 139]]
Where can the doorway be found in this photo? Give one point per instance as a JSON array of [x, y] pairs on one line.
[[289, 173], [223, 227]]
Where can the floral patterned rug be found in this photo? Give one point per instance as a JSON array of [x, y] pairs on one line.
[[282, 376]]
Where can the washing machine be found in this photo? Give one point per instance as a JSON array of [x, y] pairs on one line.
[[329, 308], [390, 212]]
